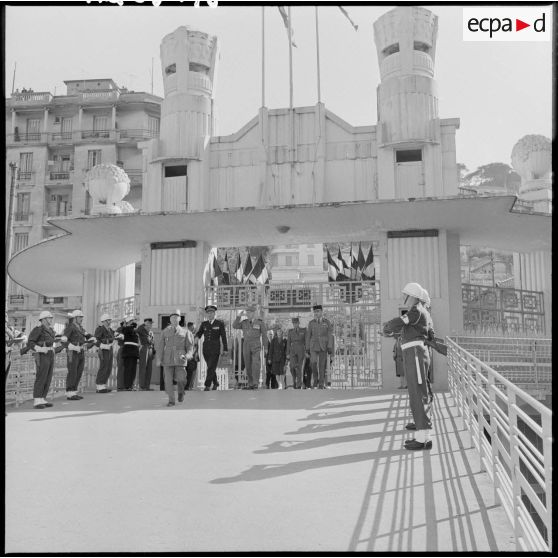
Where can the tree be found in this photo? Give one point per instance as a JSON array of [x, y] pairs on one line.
[[491, 177]]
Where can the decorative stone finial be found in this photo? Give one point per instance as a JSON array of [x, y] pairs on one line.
[[107, 184], [531, 157]]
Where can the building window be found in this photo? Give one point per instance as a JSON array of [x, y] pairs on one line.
[[93, 158], [25, 162], [391, 49], [171, 69], [101, 126], [408, 155], [172, 171], [423, 47], [288, 260], [53, 300], [22, 206], [21, 241], [153, 126], [33, 129]]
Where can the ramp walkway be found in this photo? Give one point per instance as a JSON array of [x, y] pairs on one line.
[[244, 471]]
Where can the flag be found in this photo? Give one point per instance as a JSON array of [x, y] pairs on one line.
[[368, 271], [208, 269], [286, 22], [238, 269], [346, 14], [332, 269], [354, 264], [216, 273], [257, 271], [226, 273], [344, 271], [360, 260], [247, 268]]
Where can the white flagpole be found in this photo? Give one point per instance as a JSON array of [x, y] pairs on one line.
[[318, 54], [263, 56], [290, 61]]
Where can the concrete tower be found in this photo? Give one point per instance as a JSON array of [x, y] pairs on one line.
[[415, 147]]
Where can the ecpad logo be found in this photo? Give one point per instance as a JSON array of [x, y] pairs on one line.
[[507, 23]]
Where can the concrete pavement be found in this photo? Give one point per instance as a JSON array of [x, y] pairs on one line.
[[240, 471]]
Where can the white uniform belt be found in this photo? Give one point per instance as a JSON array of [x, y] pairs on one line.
[[131, 343], [417, 343]]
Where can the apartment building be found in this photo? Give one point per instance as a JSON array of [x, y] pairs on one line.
[[294, 263], [51, 142]]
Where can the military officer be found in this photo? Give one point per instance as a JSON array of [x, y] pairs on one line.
[[255, 336], [296, 339], [214, 339], [44, 342], [414, 327], [147, 350], [78, 341], [319, 343], [105, 337], [173, 352]]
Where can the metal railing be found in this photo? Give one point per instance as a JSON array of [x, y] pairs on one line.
[[512, 433], [97, 134], [118, 309], [137, 134]]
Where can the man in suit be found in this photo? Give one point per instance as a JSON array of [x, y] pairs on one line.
[[146, 353], [319, 343], [174, 351], [296, 340], [214, 344]]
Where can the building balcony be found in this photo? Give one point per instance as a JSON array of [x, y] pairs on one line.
[[134, 135], [26, 176], [94, 135], [94, 97], [32, 98], [23, 218], [63, 138], [59, 177], [55, 210], [26, 138]]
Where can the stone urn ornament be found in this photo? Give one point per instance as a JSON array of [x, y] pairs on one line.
[[107, 184], [531, 157]]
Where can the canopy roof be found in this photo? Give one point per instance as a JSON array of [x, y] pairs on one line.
[[55, 266]]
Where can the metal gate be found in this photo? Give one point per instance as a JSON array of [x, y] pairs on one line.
[[353, 307]]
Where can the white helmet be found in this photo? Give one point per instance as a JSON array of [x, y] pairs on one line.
[[104, 317], [45, 314], [77, 313], [425, 297], [413, 289]]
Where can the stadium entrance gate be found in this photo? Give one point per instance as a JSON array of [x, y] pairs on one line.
[[353, 307]]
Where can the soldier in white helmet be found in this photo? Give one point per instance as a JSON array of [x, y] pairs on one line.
[[105, 336], [414, 328], [44, 342], [78, 341]]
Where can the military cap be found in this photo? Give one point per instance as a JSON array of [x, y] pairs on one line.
[[175, 313], [148, 320], [250, 308], [317, 307], [295, 319], [210, 307]]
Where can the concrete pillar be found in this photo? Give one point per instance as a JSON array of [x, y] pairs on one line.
[[13, 120], [101, 286], [430, 258], [80, 119], [113, 121]]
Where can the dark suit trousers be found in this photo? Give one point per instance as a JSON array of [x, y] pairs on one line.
[[145, 366], [105, 366], [76, 363], [190, 370], [211, 356], [120, 370], [130, 366], [45, 368]]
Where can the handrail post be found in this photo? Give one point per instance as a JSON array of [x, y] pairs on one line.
[[547, 453], [494, 435], [514, 466]]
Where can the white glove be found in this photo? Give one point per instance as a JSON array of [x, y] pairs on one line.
[[119, 336], [73, 347], [64, 339], [106, 346], [92, 340]]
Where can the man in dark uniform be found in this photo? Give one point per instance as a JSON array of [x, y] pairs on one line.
[[295, 351], [414, 327], [78, 341], [105, 338], [319, 343], [213, 332], [42, 341], [146, 354], [192, 364]]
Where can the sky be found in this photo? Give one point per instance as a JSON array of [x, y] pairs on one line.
[[501, 91]]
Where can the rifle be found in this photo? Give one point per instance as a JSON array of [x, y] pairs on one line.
[[437, 343]]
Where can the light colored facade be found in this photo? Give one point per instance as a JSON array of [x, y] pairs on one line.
[[54, 141], [298, 263], [294, 176]]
